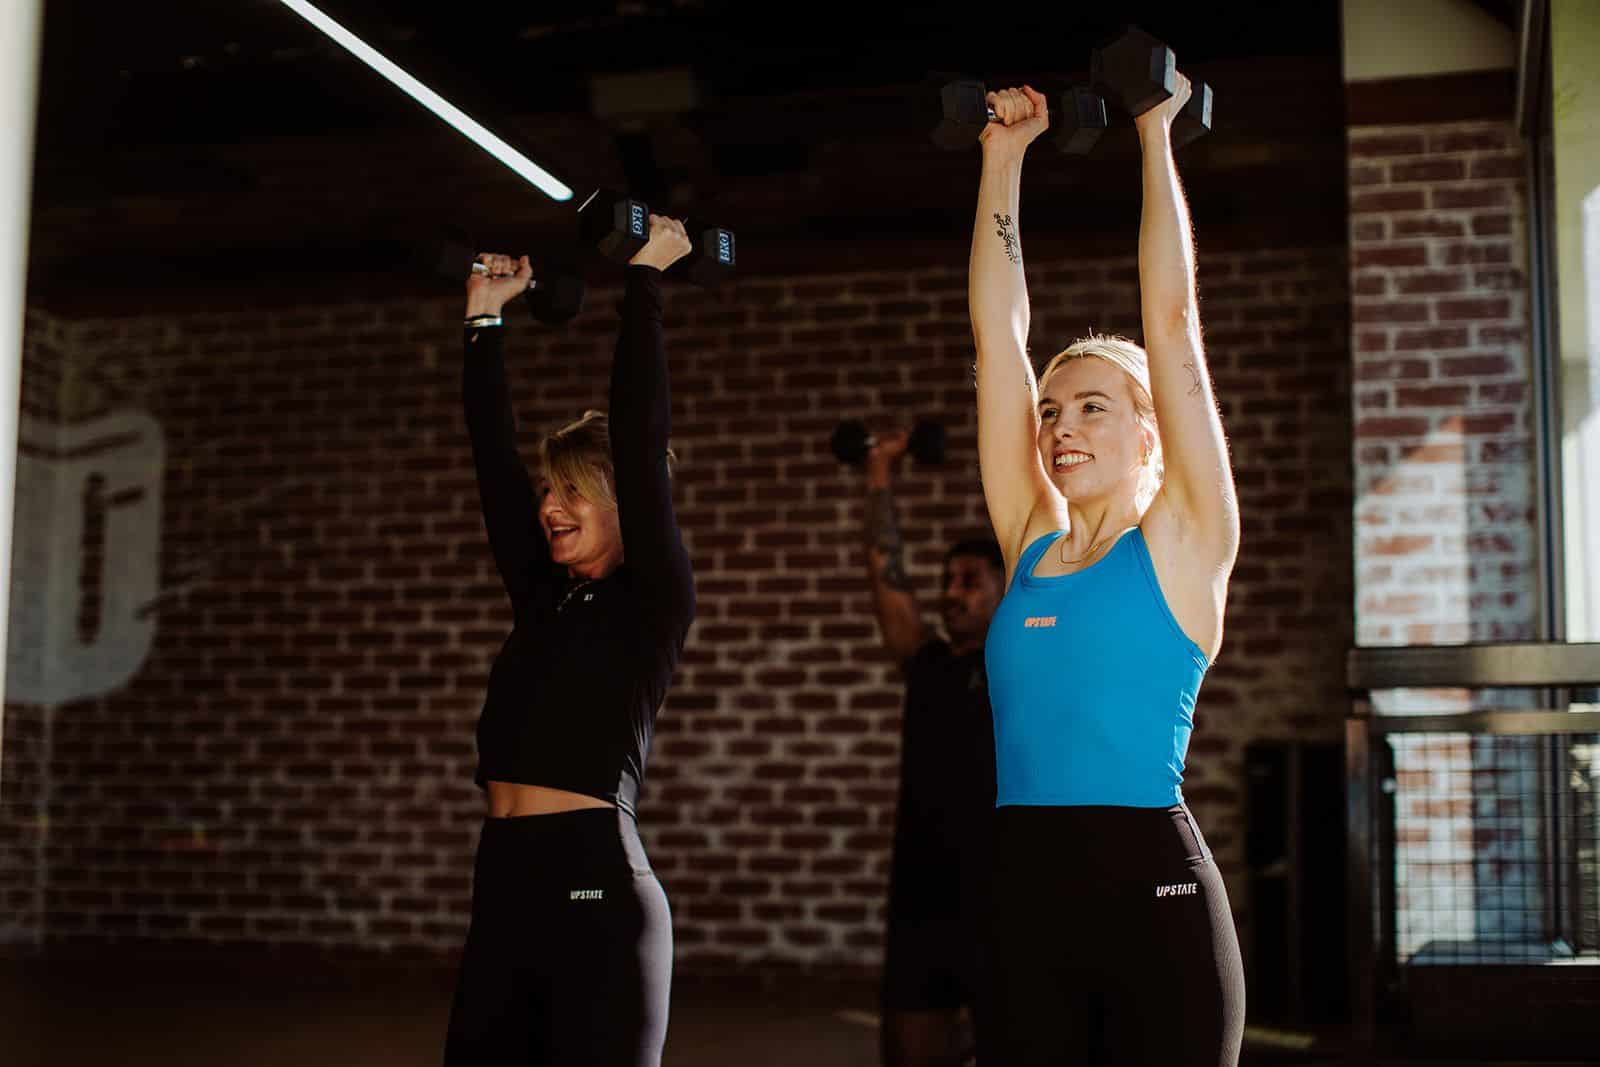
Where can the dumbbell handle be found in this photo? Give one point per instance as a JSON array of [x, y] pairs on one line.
[[480, 268]]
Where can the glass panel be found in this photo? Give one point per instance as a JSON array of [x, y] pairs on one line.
[[1575, 136]]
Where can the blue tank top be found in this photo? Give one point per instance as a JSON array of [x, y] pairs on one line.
[[1092, 683]]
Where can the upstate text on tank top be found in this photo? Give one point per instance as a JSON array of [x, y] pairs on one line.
[[1092, 683]]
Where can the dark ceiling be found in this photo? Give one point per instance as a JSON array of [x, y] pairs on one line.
[[167, 134]]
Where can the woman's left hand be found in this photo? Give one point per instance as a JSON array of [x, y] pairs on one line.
[[667, 244], [1160, 117]]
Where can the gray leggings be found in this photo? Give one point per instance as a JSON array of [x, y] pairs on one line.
[[568, 960]]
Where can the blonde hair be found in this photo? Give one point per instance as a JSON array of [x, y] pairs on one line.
[[579, 455], [1133, 361]]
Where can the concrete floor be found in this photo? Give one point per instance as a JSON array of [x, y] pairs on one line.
[[232, 1011]]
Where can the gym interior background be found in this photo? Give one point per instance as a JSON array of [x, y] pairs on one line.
[[252, 610]]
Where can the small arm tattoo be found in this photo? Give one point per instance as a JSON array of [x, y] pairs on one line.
[[1007, 233], [883, 533], [1194, 370]]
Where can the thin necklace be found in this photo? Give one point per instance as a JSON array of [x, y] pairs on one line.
[[572, 592], [1094, 546]]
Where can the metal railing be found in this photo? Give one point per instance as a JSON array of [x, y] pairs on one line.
[[1493, 815]]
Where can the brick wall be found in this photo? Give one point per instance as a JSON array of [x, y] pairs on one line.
[[1447, 537], [25, 735], [1443, 395], [292, 764]]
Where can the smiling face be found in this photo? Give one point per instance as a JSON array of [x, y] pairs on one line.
[[583, 536], [1092, 440]]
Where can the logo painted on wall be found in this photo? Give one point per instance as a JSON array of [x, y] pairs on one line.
[[86, 556]]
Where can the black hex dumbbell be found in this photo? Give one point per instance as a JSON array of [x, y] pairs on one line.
[[851, 442], [715, 253], [619, 226], [552, 299], [965, 111], [1081, 122], [1136, 72]]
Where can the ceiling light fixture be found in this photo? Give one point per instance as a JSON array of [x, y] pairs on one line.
[[469, 127]]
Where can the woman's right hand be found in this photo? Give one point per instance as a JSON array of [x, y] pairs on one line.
[[506, 279], [668, 243], [1020, 115]]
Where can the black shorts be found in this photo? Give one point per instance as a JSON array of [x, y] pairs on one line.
[[1109, 929], [568, 959]]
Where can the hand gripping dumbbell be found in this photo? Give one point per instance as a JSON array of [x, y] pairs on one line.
[[552, 299], [851, 442], [966, 111], [1136, 72], [619, 226]]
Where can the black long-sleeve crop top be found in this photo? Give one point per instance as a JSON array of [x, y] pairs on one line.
[[574, 692]]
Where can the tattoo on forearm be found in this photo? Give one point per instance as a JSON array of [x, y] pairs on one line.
[[1194, 370], [884, 535], [1008, 233]]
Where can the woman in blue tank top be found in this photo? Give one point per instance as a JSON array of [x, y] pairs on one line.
[[1109, 487]]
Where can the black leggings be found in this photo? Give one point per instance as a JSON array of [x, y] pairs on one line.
[[568, 959], [1109, 941]]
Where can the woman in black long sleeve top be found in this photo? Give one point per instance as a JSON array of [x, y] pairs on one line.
[[569, 956]]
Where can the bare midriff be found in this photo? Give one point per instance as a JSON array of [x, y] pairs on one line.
[[509, 799]]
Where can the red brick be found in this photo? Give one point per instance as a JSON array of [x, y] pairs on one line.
[[1463, 253], [1429, 226], [1474, 366], [1386, 201], [1435, 396], [1470, 196], [1487, 308], [1370, 312], [1477, 140], [1372, 146], [1364, 230], [1428, 170], [1376, 370], [1372, 341], [1396, 255], [1398, 546], [1492, 167], [1492, 225], [1429, 282], [1375, 427]]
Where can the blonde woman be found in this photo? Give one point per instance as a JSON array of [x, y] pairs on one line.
[[1109, 488], [568, 959]]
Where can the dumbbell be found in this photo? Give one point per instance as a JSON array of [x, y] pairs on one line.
[[619, 225], [966, 112], [1136, 72], [714, 256], [851, 442], [553, 299]]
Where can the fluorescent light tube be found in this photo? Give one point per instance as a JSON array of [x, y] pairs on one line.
[[469, 127]]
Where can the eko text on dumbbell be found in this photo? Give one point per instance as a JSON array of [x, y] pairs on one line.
[[619, 225]]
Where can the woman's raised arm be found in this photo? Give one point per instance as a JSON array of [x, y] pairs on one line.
[[1014, 480]]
